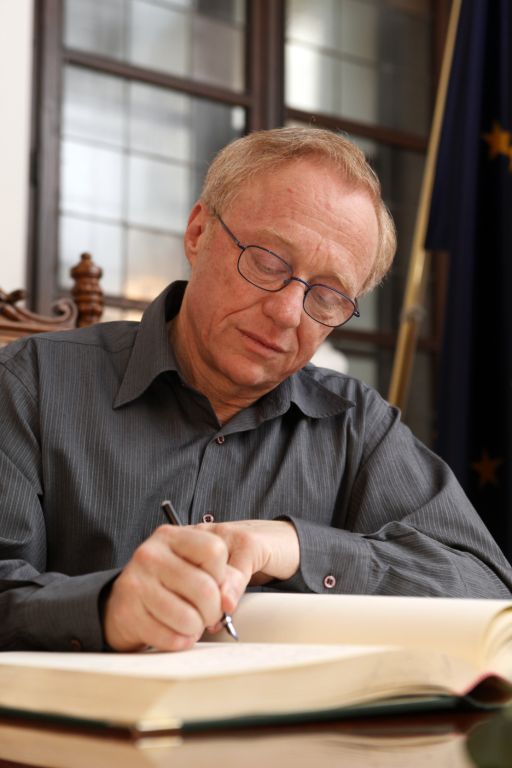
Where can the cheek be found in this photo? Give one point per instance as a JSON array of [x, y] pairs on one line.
[[310, 338]]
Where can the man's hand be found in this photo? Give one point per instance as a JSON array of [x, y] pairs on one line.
[[261, 549], [181, 580], [171, 590]]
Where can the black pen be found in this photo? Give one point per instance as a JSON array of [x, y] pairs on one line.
[[173, 519]]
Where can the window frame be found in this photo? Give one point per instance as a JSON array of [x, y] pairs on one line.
[[263, 100]]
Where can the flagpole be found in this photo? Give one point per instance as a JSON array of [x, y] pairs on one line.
[[413, 310]]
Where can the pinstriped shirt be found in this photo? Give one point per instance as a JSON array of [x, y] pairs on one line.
[[97, 427]]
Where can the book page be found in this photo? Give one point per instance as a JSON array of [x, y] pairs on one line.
[[203, 660], [456, 626]]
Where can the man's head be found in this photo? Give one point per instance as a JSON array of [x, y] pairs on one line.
[[320, 211], [263, 152]]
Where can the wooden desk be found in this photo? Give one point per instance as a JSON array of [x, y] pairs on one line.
[[431, 741]]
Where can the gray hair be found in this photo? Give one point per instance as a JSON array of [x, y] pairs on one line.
[[263, 151]]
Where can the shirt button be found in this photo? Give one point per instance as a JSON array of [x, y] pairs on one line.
[[208, 518], [329, 581], [75, 644], [220, 440]]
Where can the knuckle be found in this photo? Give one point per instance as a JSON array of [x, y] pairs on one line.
[[208, 590], [187, 621], [216, 549]]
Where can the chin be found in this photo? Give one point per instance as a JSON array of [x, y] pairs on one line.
[[247, 375]]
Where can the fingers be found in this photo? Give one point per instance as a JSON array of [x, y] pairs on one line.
[[261, 549], [169, 591]]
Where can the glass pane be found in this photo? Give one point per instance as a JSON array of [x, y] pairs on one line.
[[366, 60], [349, 26], [177, 127], [217, 53], [98, 26], [195, 45], [133, 158], [105, 241], [153, 261], [199, 39], [160, 38], [91, 180], [93, 106], [159, 194]]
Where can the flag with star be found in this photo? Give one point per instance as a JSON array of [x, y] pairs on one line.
[[471, 219]]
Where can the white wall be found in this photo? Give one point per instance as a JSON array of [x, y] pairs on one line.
[[16, 18]]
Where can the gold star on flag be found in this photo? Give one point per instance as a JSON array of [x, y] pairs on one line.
[[499, 142], [486, 469]]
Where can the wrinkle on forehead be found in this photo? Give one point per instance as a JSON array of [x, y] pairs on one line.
[[271, 237], [311, 204]]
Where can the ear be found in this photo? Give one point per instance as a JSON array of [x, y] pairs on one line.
[[196, 230]]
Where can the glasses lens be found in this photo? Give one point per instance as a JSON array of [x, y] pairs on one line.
[[263, 268], [327, 306]]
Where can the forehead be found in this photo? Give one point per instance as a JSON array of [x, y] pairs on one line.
[[308, 205]]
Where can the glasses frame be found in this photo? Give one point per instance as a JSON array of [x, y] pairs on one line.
[[308, 286]]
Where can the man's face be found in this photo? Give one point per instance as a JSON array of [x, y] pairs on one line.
[[248, 338]]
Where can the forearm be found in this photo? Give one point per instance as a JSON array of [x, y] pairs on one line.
[[397, 560], [52, 612]]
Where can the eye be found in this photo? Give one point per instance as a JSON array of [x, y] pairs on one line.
[[267, 263]]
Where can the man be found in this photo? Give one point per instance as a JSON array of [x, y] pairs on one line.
[[289, 477]]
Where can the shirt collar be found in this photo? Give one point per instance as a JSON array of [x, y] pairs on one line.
[[152, 353], [311, 395]]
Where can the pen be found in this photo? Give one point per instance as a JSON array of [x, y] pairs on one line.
[[173, 519]]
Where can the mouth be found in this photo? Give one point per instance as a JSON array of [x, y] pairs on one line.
[[263, 344]]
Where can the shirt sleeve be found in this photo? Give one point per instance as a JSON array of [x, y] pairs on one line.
[[404, 526], [38, 610]]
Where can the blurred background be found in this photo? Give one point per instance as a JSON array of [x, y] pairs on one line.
[[112, 110]]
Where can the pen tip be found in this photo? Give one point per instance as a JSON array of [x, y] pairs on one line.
[[230, 627]]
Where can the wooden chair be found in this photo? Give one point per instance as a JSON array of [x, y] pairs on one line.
[[84, 308]]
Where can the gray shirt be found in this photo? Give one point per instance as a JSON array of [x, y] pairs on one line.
[[97, 428]]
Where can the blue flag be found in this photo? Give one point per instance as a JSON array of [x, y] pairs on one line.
[[471, 218]]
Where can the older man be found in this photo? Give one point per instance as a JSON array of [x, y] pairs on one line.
[[288, 476]]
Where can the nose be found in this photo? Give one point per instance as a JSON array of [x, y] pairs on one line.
[[284, 307]]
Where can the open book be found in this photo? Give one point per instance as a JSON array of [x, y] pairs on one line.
[[310, 656]]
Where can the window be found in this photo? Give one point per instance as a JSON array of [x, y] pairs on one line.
[[134, 98]]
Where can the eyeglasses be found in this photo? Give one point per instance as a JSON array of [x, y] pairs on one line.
[[266, 270]]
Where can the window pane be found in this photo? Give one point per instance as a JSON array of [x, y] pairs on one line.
[[153, 261], [365, 60], [177, 127], [93, 107], [203, 40], [91, 179], [159, 194], [98, 26], [103, 240], [133, 158]]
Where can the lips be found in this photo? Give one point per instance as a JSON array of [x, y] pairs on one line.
[[262, 342]]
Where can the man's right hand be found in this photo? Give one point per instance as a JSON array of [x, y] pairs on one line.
[[177, 583]]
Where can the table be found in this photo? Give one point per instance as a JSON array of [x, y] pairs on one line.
[[433, 741]]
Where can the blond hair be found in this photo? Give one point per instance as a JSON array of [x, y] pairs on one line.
[[263, 151]]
